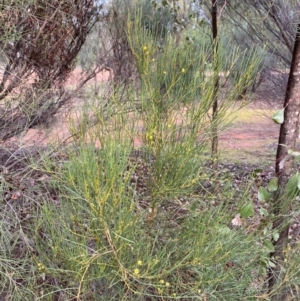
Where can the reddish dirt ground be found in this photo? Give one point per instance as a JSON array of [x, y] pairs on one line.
[[252, 139], [249, 141], [249, 135]]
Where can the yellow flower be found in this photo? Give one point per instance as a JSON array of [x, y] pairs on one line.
[[183, 70], [136, 271], [167, 284], [139, 262], [164, 72], [153, 60], [161, 281], [145, 48], [149, 136], [174, 295], [40, 266]]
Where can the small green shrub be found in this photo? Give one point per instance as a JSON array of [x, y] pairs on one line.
[[99, 241]]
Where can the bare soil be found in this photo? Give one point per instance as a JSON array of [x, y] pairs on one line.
[[251, 137], [253, 140]]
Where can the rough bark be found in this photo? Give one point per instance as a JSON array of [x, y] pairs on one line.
[[289, 132]]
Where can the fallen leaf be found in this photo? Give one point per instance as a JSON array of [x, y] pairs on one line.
[[16, 195], [237, 221]]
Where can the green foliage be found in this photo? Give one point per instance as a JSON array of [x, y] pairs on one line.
[[247, 210], [273, 185], [156, 19], [169, 80], [141, 225], [100, 241], [176, 93], [277, 215], [293, 153], [292, 187], [263, 194], [273, 195], [278, 116], [17, 265], [110, 239]]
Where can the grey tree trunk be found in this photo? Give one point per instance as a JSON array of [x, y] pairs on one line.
[[215, 78], [289, 132]]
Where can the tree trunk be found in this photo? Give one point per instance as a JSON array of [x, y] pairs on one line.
[[289, 132], [215, 78]]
